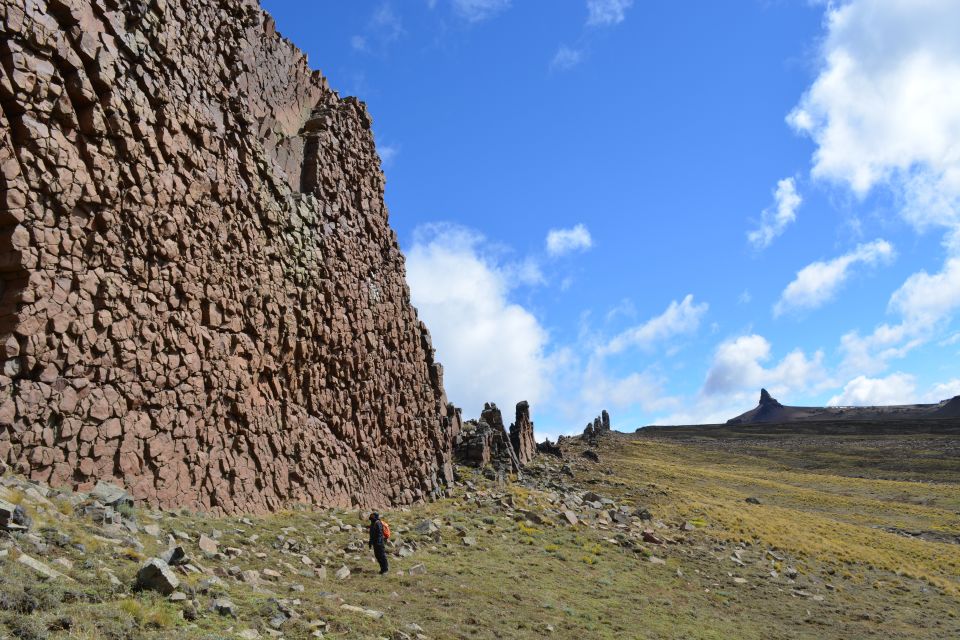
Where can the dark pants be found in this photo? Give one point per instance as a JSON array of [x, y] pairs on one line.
[[381, 554]]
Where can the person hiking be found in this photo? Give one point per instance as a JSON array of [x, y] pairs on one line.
[[378, 541]]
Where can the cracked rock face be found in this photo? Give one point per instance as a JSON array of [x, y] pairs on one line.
[[521, 434], [201, 298]]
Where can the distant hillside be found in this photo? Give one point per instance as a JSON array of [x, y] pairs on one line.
[[769, 410]]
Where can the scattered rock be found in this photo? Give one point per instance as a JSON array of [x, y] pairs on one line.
[[42, 569], [175, 556], [591, 455], [570, 517], [426, 527], [156, 575], [417, 570], [370, 613], [343, 573], [753, 500], [469, 541], [111, 495], [651, 537], [13, 517], [207, 545], [224, 607]]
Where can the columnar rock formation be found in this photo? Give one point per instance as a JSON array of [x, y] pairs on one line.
[[200, 295], [599, 426], [484, 441], [521, 434]]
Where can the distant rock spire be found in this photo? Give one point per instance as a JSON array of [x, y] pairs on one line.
[[767, 399]]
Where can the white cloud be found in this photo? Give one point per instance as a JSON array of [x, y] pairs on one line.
[[359, 43], [897, 388], [566, 58], [943, 391], [679, 318], [388, 152], [642, 389], [479, 10], [492, 349], [774, 221], [527, 273], [737, 366], [924, 299], [924, 302], [745, 297], [706, 409], [607, 12], [819, 282], [885, 107], [561, 241]]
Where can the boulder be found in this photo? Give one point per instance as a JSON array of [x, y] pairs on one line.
[[224, 607], [426, 527], [156, 575], [111, 495], [175, 556], [13, 517], [207, 544]]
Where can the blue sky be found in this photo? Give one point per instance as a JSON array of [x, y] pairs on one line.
[[659, 207]]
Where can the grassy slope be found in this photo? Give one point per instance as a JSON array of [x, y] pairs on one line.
[[523, 578]]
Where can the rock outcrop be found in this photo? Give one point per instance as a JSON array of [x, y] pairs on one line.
[[600, 426], [201, 298], [521, 434], [485, 441]]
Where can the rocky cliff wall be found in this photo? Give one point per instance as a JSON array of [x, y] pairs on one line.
[[200, 294]]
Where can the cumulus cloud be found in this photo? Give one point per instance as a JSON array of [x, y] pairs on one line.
[[943, 391], [643, 389], [818, 282], [491, 347], [562, 241], [897, 388], [601, 13], [926, 299], [679, 318], [479, 10], [566, 58], [885, 107], [925, 303], [775, 220], [738, 366]]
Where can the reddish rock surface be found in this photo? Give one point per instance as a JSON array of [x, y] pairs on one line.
[[521, 434], [200, 295], [484, 441]]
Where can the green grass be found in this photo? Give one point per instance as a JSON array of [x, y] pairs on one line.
[[535, 576]]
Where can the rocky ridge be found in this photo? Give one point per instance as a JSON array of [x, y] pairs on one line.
[[770, 410]]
